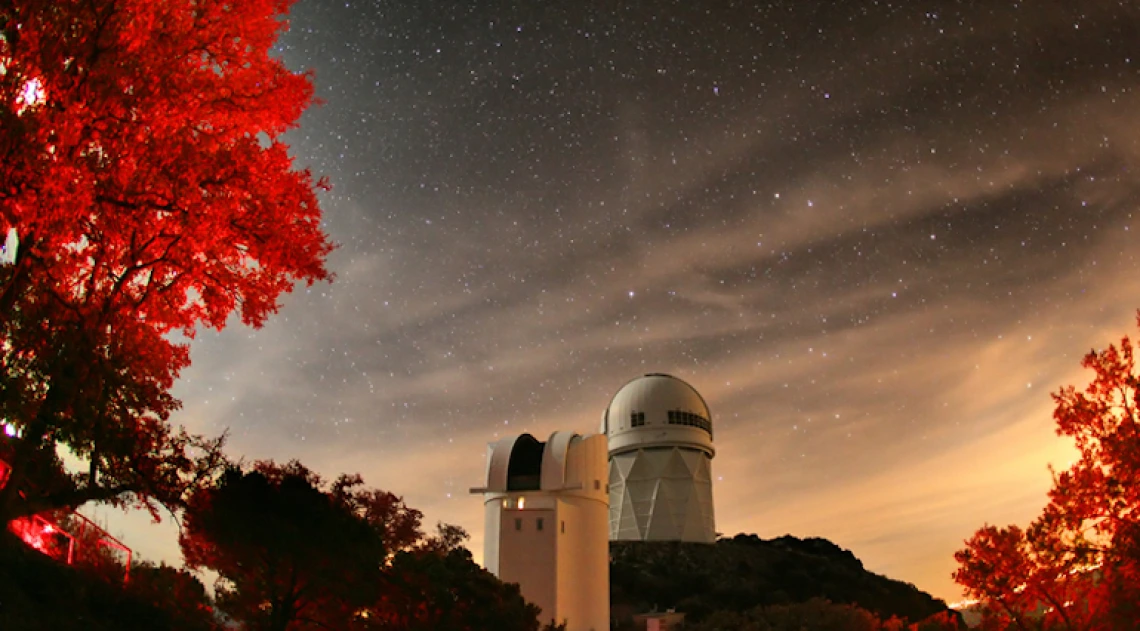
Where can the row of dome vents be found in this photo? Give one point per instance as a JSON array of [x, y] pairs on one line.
[[676, 417], [679, 417]]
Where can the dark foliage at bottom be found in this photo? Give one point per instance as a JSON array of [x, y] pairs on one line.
[[37, 593]]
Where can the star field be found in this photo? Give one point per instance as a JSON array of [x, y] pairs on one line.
[[873, 235]]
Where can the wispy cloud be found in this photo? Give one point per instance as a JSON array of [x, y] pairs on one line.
[[874, 242]]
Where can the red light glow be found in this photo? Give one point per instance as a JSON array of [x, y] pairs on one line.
[[68, 543]]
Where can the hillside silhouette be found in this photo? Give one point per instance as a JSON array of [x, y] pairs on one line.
[[743, 572]]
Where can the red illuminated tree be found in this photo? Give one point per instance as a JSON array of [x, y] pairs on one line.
[[1025, 578], [1078, 564], [142, 170]]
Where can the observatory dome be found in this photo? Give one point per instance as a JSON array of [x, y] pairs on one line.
[[657, 409]]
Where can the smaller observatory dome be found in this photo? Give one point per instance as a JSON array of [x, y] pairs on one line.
[[657, 409]]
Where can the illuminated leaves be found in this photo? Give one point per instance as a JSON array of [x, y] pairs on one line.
[[142, 169], [1078, 564]]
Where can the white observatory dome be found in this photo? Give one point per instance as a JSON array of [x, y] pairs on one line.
[[660, 433], [658, 409]]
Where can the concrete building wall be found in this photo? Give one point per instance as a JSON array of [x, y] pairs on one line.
[[528, 555], [584, 542], [563, 567]]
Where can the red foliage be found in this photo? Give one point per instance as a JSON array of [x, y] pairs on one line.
[[152, 178], [1078, 564], [141, 167]]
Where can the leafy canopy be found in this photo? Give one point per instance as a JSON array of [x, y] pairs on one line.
[[295, 552], [143, 172], [1077, 566], [287, 548]]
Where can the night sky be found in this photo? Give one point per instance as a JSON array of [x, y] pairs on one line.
[[875, 236]]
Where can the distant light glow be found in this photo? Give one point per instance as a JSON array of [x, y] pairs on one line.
[[32, 95]]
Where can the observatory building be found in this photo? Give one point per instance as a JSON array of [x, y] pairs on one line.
[[549, 512], [545, 520], [660, 453]]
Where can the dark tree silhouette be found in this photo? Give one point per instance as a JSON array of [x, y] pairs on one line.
[[293, 552], [289, 552], [142, 172], [178, 594], [817, 614], [40, 593], [433, 590]]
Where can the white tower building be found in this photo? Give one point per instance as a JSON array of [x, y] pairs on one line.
[[545, 509], [661, 450]]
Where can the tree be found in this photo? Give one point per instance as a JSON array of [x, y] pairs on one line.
[[293, 552], [447, 537], [942, 621], [817, 614], [290, 551], [397, 523], [39, 593], [177, 594], [435, 590], [1078, 565], [1012, 571], [142, 171]]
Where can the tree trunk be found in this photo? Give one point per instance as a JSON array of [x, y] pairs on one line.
[[25, 449]]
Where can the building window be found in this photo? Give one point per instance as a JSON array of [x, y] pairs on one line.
[[518, 523], [563, 526], [636, 419], [597, 485], [538, 524]]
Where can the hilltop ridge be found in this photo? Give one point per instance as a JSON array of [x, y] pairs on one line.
[[742, 572]]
